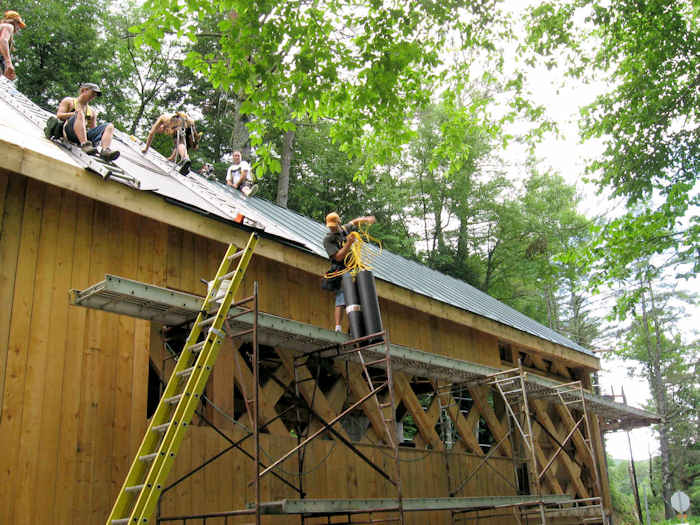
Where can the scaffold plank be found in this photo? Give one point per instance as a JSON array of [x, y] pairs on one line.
[[344, 506]]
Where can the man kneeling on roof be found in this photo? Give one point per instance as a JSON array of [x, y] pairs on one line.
[[80, 123], [184, 133]]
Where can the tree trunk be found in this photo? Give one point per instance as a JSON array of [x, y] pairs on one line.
[[659, 392], [283, 181]]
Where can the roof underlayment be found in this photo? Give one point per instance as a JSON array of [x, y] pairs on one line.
[[153, 173]]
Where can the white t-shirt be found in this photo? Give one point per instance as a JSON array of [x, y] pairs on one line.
[[236, 171]]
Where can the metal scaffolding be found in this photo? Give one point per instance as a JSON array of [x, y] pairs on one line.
[[516, 390], [516, 393]]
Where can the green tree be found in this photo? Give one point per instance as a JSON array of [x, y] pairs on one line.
[[670, 366], [322, 179], [649, 54], [60, 48], [366, 67]]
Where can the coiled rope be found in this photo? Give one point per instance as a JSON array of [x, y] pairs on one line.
[[360, 256]]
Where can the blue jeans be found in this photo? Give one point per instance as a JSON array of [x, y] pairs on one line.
[[94, 135]]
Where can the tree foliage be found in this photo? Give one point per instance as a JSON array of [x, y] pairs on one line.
[[649, 54], [368, 67]]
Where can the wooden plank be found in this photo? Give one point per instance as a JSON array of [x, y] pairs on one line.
[[35, 379], [10, 235], [17, 357], [101, 396], [124, 379], [69, 448], [48, 452]]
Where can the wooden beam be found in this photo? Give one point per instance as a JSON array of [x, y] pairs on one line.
[[478, 394], [466, 427], [360, 388], [310, 390], [402, 386], [578, 439], [243, 377], [573, 470]]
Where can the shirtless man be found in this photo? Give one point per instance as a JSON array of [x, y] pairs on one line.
[[183, 131], [80, 123], [10, 24]]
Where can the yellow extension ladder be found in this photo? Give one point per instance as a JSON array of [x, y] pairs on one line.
[[139, 494]]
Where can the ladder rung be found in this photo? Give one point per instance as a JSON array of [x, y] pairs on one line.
[[208, 321], [149, 457], [161, 428], [372, 363], [122, 521], [135, 488], [197, 347], [228, 275], [172, 400], [244, 332], [186, 372], [384, 405], [236, 255]]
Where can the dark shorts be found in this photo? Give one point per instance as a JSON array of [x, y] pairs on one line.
[[2, 66], [94, 135]]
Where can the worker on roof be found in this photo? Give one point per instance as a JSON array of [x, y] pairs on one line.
[[239, 176], [80, 123], [9, 26], [183, 130], [337, 243]]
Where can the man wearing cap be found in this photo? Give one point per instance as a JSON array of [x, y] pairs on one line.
[[337, 243], [80, 123], [9, 26]]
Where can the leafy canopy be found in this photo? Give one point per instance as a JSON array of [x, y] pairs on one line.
[[367, 66]]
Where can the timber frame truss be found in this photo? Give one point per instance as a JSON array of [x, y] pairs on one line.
[[525, 404]]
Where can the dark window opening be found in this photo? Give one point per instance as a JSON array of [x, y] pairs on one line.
[[523, 479], [155, 389], [506, 352], [485, 437]]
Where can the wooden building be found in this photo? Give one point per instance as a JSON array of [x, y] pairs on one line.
[[77, 384]]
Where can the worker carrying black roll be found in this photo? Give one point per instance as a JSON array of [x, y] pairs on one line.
[[338, 242]]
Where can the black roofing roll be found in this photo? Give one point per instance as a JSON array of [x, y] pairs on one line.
[[369, 301], [352, 307]]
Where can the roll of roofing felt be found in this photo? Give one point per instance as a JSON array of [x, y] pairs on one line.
[[370, 303], [353, 307]]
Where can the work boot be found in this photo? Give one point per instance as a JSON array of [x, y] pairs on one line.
[[185, 166], [109, 155], [249, 192], [88, 148]]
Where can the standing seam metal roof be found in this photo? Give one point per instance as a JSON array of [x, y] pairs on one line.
[[155, 174]]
